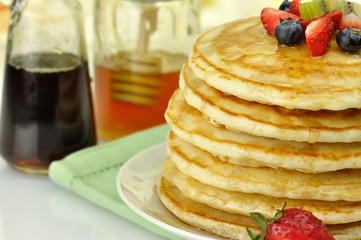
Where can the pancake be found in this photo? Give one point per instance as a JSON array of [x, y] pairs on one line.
[[209, 169], [248, 150], [218, 222], [256, 124], [239, 58], [281, 123], [223, 223], [335, 212]]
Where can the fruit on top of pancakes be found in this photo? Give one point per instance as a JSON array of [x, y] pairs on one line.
[[318, 35], [350, 20], [311, 9], [270, 17], [356, 8], [332, 5], [290, 224], [342, 13], [294, 9], [345, 6], [349, 39], [289, 32], [285, 6], [336, 17]]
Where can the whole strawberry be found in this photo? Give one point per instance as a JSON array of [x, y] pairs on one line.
[[290, 224]]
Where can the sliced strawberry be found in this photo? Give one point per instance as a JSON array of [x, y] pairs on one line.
[[304, 24], [318, 34], [336, 17], [350, 20], [271, 16], [294, 7]]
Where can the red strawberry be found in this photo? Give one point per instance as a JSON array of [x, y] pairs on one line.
[[277, 231], [271, 16], [350, 20], [302, 223], [318, 34], [304, 24], [336, 16], [294, 7], [291, 224]]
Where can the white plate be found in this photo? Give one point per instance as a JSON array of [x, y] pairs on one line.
[[135, 185]]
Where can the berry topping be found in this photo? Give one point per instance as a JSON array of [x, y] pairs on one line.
[[290, 224], [294, 7], [349, 39], [336, 17], [318, 34], [304, 24], [285, 6], [270, 17], [350, 20], [310, 9], [319, 19], [289, 32]]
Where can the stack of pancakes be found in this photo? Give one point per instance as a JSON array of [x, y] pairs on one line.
[[255, 125]]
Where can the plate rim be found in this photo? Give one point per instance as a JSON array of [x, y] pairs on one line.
[[164, 225]]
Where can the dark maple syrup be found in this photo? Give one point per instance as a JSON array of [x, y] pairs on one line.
[[46, 110]]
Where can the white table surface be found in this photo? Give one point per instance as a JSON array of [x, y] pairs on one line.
[[35, 208]]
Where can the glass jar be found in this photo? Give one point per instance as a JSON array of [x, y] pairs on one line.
[[46, 105], [140, 47]]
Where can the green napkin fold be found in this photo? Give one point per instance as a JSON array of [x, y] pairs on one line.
[[91, 173]]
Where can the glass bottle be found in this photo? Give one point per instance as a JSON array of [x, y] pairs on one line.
[[46, 104]]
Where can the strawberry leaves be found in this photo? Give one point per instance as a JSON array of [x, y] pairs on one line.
[[258, 237], [263, 223], [260, 220]]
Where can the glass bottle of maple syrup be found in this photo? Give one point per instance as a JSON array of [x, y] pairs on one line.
[[140, 47], [46, 103]]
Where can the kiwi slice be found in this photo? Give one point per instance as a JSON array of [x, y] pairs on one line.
[[356, 8], [310, 9], [345, 7], [332, 5]]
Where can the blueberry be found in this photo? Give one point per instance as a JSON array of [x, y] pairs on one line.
[[289, 32], [349, 39], [285, 6]]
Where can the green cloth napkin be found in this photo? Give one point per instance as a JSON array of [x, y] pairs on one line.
[[91, 173]]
